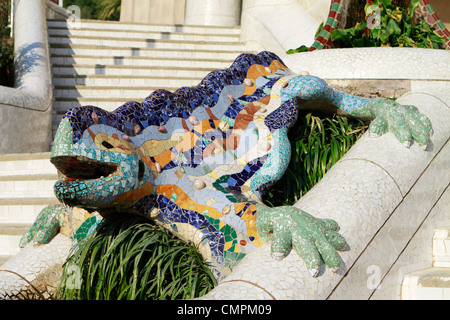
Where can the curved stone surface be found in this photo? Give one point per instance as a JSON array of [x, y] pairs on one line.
[[373, 63], [280, 25], [35, 272]]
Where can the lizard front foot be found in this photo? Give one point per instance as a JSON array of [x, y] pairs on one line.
[[55, 219], [46, 226], [315, 240], [404, 121]]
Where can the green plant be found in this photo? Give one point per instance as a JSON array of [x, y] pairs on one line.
[[6, 48], [388, 25], [129, 258], [88, 8], [317, 143], [97, 9], [109, 9]]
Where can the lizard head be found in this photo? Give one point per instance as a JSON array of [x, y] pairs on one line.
[[96, 162], [304, 87]]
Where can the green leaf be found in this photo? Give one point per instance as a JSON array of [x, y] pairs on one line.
[[393, 27], [412, 8], [318, 30], [386, 3], [435, 38], [340, 34], [302, 48], [360, 26], [358, 43]]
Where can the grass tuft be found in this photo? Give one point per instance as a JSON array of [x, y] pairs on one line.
[[317, 143], [129, 258]]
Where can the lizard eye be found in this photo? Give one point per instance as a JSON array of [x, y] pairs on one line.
[[107, 145]]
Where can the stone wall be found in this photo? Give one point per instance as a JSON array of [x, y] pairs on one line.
[[25, 110]]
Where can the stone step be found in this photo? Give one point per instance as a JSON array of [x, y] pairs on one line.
[[140, 61], [20, 187], [89, 92], [62, 105], [18, 211], [16, 217], [26, 187], [25, 164], [111, 70], [142, 34], [427, 284], [146, 43], [431, 283], [441, 248], [10, 235], [26, 175], [95, 50], [124, 81], [116, 25]]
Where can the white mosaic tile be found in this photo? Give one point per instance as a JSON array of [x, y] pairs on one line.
[[373, 63], [396, 232], [38, 260], [408, 163]]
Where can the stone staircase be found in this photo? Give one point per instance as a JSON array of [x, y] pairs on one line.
[[109, 63], [26, 187], [431, 283], [105, 64]]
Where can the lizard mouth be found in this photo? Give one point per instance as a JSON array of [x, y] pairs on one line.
[[93, 184], [80, 180], [78, 168]]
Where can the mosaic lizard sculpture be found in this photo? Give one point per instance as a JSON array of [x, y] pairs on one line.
[[198, 161]]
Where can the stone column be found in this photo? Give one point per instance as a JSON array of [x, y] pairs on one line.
[[213, 12]]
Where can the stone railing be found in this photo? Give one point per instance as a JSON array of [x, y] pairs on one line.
[[386, 198], [25, 110]]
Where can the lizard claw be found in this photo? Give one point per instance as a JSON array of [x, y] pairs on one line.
[[314, 272], [314, 240], [404, 121]]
